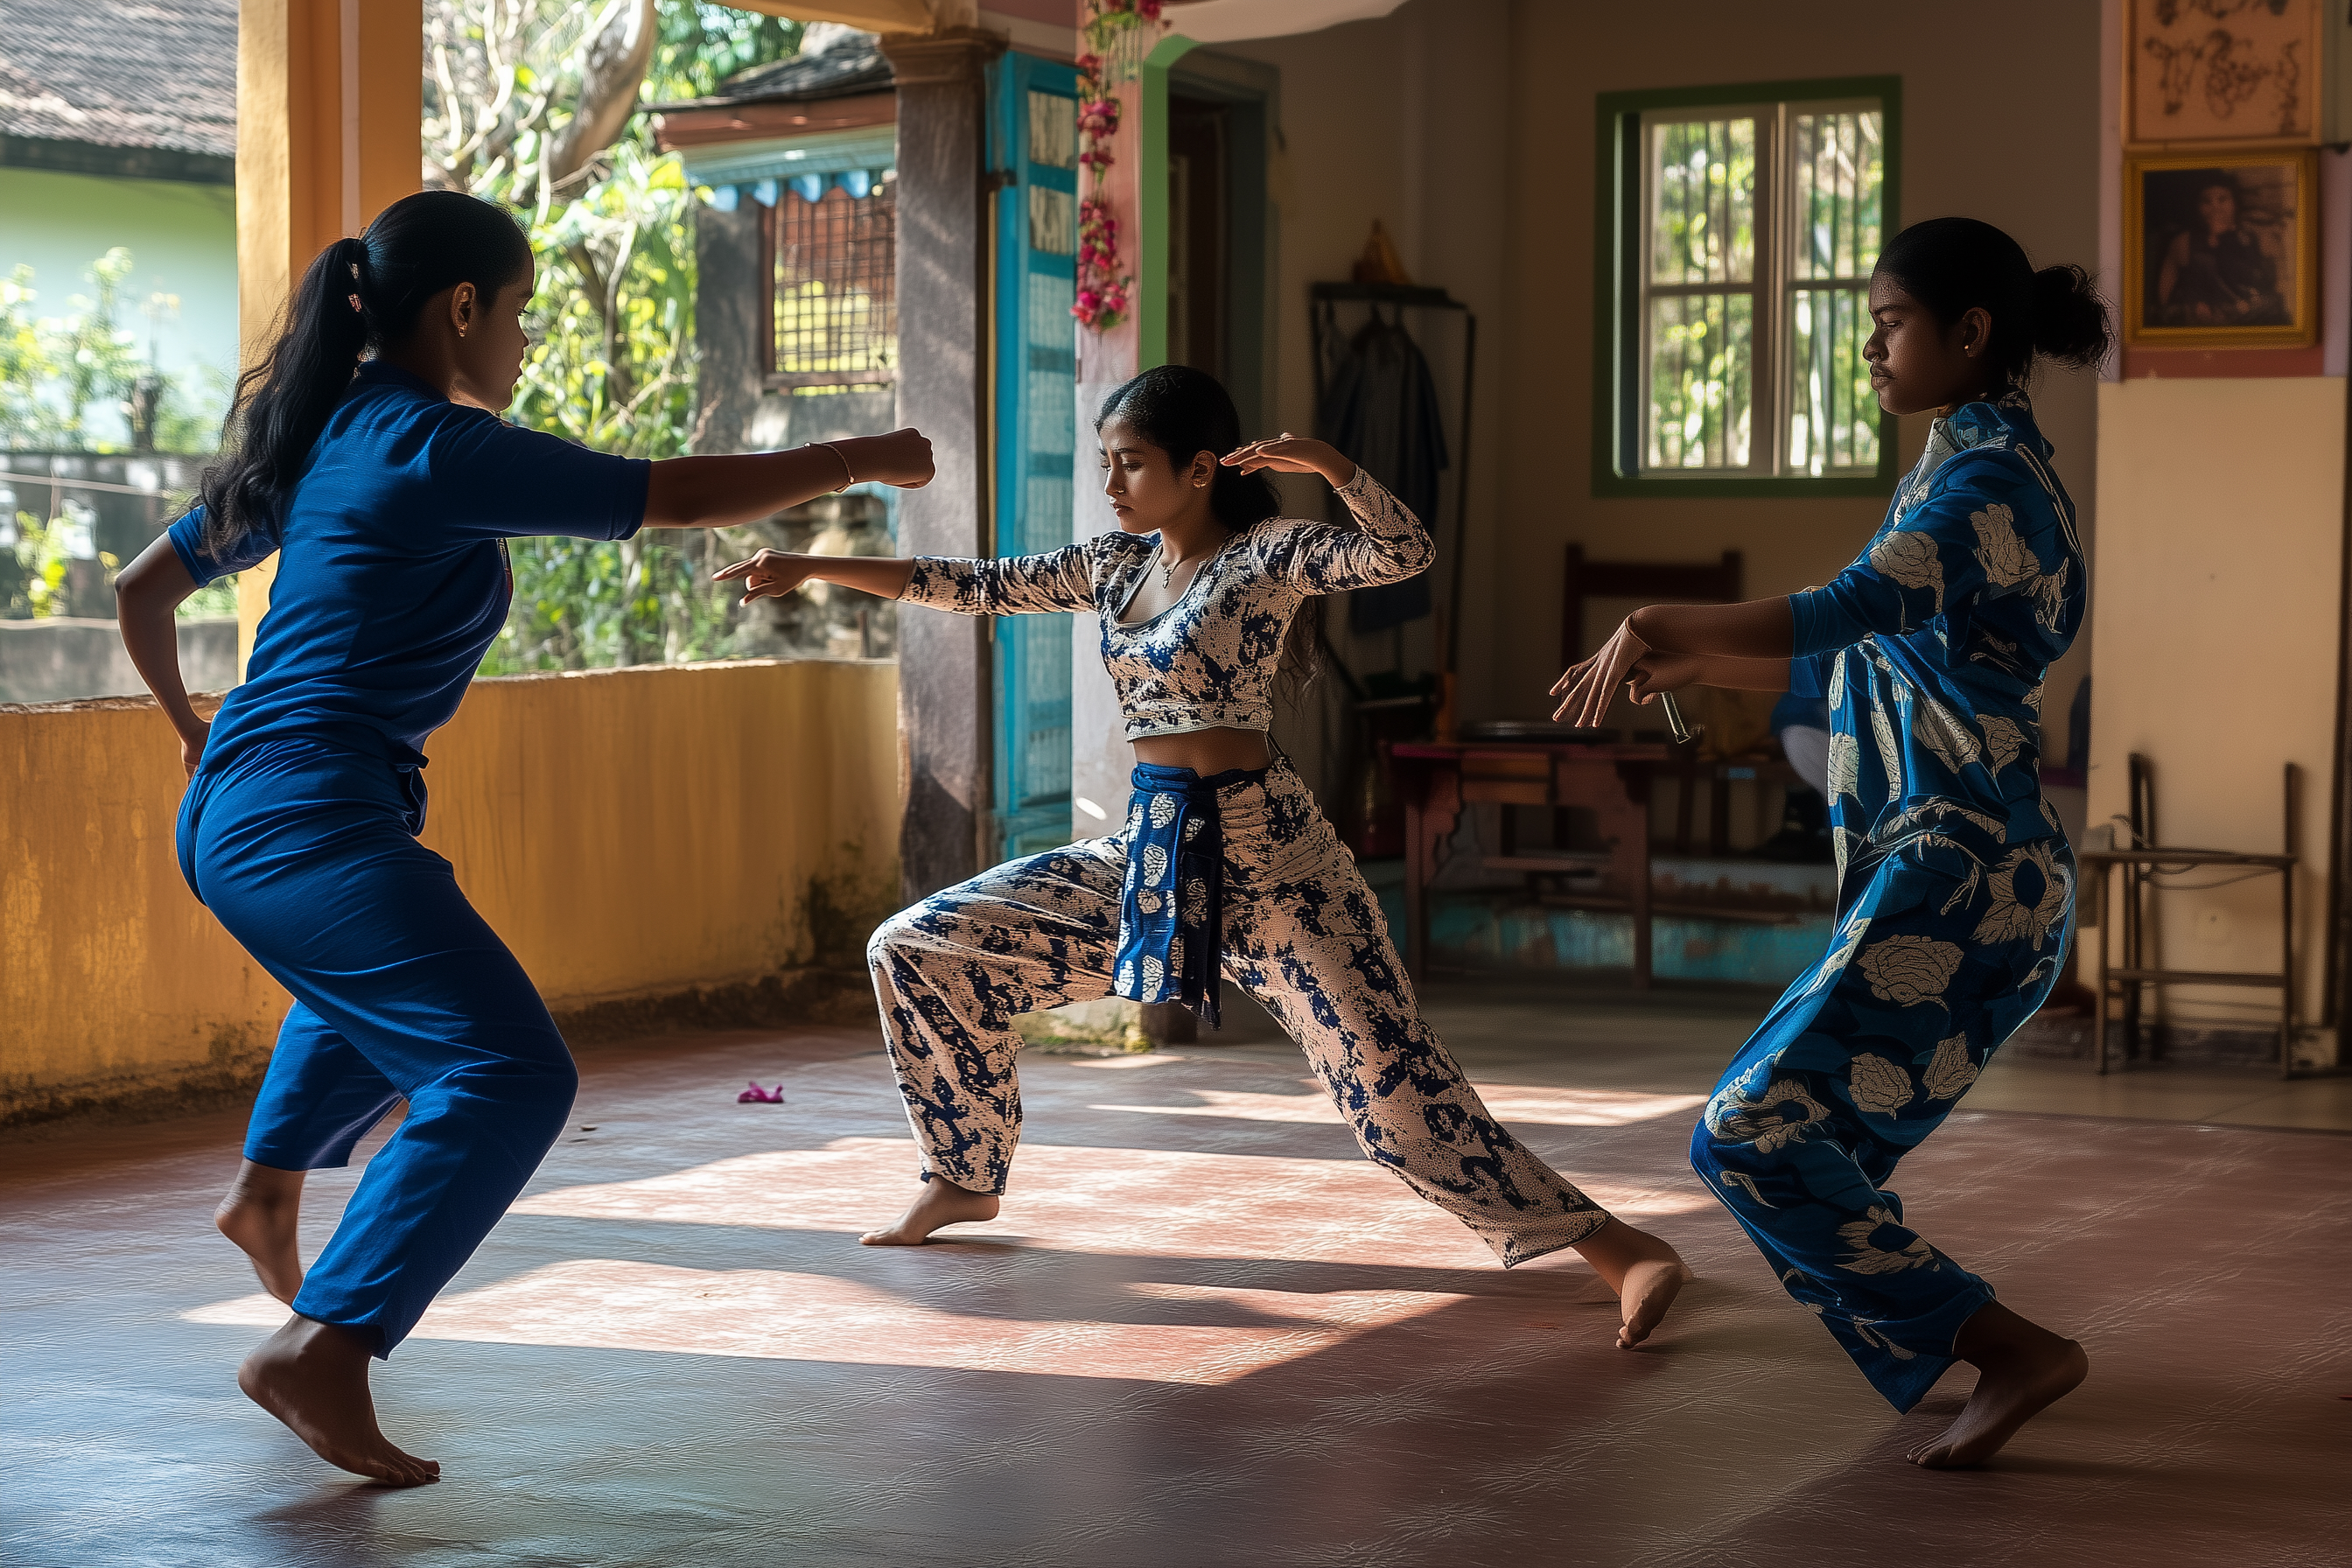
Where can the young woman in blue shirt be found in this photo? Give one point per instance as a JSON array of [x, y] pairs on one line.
[[1955, 881], [366, 453]]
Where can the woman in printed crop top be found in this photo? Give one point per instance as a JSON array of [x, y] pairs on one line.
[[1225, 865]]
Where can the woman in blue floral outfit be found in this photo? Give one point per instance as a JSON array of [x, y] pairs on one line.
[[1954, 880]]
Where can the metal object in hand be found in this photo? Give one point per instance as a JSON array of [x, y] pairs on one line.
[[1684, 733]]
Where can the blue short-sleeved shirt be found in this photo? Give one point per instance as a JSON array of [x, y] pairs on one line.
[[394, 577]]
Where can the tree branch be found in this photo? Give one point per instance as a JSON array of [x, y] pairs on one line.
[[611, 68]]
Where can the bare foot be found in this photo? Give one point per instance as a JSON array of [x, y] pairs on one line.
[[2024, 1369], [314, 1377], [941, 1203], [259, 1214], [1646, 1274]]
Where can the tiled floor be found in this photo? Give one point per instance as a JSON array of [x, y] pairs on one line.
[[1204, 1333], [1679, 1040]]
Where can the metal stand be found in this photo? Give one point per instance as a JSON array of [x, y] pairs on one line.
[[2143, 867], [1449, 625]]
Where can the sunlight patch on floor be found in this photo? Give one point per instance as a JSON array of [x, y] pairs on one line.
[[1507, 1102], [1146, 1202], [599, 1303]]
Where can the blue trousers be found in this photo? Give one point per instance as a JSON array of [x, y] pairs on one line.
[[1942, 951], [307, 854]]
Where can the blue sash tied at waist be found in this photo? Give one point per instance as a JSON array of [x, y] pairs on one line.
[[1171, 910]]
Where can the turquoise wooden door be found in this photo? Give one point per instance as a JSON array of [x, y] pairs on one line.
[[1033, 147]]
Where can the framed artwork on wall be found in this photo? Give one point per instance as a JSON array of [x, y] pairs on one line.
[[2222, 249], [2222, 70]]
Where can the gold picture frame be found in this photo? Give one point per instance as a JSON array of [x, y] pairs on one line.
[[2207, 72], [2222, 249]]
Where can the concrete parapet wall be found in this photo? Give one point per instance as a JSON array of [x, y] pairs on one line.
[[67, 658], [636, 835]]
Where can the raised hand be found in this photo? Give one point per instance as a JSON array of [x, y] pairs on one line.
[[903, 459], [772, 574], [1289, 454]]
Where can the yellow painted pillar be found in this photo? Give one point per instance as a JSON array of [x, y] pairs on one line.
[[330, 98]]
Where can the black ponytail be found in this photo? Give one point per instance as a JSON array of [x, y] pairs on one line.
[[1953, 265], [1185, 412], [358, 295]]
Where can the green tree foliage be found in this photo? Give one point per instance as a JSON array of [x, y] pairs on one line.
[[613, 362], [55, 370]]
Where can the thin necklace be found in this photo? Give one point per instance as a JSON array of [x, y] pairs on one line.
[[1167, 567]]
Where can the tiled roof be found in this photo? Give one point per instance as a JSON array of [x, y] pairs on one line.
[[848, 62], [120, 73]]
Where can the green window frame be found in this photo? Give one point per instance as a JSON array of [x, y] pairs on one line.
[[1795, 304]]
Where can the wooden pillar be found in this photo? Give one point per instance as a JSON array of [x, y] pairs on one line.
[[944, 721], [329, 99]]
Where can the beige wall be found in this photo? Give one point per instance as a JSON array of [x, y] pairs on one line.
[[1467, 127], [631, 833], [1406, 121], [2218, 575], [2000, 122]]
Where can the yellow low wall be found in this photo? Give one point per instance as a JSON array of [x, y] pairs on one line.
[[631, 833]]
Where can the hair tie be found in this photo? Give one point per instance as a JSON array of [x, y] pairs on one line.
[[354, 299]]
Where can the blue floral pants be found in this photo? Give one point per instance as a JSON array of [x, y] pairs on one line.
[[1941, 953], [1302, 934]]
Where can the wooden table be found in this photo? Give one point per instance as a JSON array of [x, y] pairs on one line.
[[2133, 974], [1611, 780]]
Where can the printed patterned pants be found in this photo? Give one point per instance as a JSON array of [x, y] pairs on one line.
[[1302, 934], [1941, 954]]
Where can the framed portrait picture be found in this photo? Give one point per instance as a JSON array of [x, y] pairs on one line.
[[2222, 249], [2222, 70]]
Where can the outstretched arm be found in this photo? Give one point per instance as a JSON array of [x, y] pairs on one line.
[[1058, 582], [147, 592], [722, 492], [772, 574], [1745, 646]]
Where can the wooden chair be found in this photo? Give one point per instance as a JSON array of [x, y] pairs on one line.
[[1652, 582]]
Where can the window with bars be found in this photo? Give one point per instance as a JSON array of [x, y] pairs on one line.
[[1739, 231], [836, 303]]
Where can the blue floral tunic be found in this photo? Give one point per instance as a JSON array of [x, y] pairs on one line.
[[1954, 882]]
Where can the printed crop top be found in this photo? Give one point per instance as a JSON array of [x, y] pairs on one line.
[[1207, 661]]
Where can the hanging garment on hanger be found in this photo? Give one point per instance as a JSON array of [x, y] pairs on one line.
[[1380, 407]]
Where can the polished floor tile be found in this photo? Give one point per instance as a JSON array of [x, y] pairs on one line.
[[1204, 1333]]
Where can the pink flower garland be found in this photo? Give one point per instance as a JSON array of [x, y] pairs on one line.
[[1102, 300]]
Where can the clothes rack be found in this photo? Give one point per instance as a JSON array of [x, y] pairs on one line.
[[1409, 296]]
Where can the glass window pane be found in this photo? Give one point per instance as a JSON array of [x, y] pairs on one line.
[[1702, 349], [1837, 169], [1052, 221], [1832, 413], [1703, 181], [1052, 130]]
